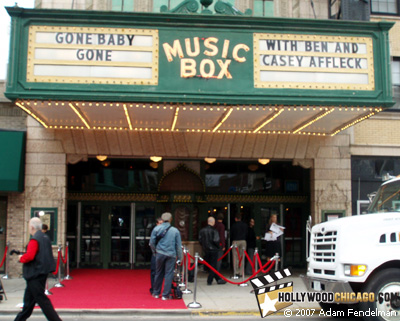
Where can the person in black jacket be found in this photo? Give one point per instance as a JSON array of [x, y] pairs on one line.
[[251, 245], [209, 240], [239, 233], [38, 262]]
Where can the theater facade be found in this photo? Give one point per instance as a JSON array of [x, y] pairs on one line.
[[134, 114]]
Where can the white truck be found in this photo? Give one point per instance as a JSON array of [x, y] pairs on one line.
[[360, 254]]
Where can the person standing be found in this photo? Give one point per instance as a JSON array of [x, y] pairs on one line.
[[220, 227], [239, 233], [153, 260], [273, 244], [166, 242], [251, 246], [210, 242], [38, 263]]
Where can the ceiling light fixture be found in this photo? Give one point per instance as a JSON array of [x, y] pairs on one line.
[[210, 160], [156, 158], [101, 158], [263, 161]]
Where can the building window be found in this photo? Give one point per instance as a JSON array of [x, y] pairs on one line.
[[122, 5], [170, 4], [263, 8], [396, 71], [385, 6]]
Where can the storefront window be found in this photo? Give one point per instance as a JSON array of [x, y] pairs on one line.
[[368, 173], [249, 177], [112, 175], [263, 8], [396, 71], [385, 6], [122, 5]]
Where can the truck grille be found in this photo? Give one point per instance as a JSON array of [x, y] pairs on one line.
[[324, 247]]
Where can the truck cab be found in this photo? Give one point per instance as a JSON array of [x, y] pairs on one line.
[[360, 254]]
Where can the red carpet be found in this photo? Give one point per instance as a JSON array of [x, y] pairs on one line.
[[109, 289]]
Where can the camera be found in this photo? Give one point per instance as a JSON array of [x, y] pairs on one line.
[[15, 252]]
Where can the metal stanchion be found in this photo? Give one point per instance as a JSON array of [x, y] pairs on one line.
[[59, 284], [186, 290], [67, 277], [5, 276], [256, 261], [255, 264], [242, 269], [183, 270], [195, 304], [276, 261], [47, 292], [235, 276]]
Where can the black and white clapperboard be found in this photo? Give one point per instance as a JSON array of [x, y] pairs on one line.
[[267, 294]]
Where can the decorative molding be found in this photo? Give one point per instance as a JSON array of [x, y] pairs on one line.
[[305, 163], [222, 7], [192, 6], [75, 158], [185, 7], [44, 191], [332, 194], [198, 198], [120, 197], [184, 168], [213, 198]]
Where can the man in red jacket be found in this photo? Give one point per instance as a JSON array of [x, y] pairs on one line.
[[38, 262]]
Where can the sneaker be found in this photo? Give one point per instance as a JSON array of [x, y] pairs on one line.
[[220, 281], [166, 298], [155, 296]]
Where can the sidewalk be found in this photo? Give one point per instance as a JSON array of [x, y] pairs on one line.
[[226, 299]]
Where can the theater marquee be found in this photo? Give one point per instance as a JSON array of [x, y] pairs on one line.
[[93, 55], [171, 59], [313, 62]]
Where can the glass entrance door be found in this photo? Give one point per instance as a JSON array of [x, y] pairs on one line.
[[106, 235], [145, 220], [91, 228], [121, 222]]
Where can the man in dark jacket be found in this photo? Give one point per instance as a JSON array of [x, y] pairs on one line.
[[209, 240], [38, 262], [239, 233]]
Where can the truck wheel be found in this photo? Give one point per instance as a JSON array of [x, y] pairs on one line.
[[339, 311], [385, 281]]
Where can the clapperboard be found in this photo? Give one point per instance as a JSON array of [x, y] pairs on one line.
[[267, 294]]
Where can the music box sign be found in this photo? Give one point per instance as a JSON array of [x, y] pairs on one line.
[[205, 49], [91, 55]]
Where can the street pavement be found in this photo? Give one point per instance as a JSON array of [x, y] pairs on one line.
[[217, 299]]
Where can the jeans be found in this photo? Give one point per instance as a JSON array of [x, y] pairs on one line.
[[34, 293], [250, 252], [164, 271], [152, 271]]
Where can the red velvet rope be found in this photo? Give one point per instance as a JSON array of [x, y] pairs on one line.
[[66, 256], [259, 262], [226, 253], [58, 263], [250, 261], [190, 257], [240, 258], [272, 263], [4, 257]]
